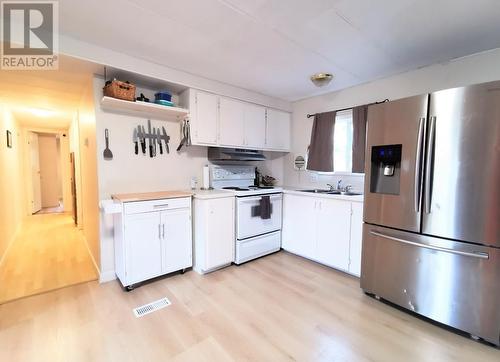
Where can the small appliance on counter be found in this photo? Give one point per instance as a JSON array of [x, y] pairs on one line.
[[258, 211]]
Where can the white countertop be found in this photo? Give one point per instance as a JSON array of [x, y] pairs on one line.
[[295, 191], [211, 194]]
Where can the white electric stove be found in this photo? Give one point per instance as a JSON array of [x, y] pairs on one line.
[[258, 211]]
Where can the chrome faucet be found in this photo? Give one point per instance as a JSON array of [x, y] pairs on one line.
[[331, 187], [339, 184], [347, 188]]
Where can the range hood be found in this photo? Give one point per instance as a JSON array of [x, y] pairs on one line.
[[234, 154]]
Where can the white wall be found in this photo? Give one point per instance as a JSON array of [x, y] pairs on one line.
[[478, 68], [51, 185], [11, 180], [87, 148]]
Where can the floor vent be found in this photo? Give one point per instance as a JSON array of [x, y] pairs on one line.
[[151, 307]]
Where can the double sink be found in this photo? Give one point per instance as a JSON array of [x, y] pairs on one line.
[[331, 192]]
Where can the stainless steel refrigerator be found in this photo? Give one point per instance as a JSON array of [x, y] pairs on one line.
[[431, 238]]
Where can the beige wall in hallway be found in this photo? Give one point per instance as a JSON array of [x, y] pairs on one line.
[[88, 172], [11, 185], [50, 174]]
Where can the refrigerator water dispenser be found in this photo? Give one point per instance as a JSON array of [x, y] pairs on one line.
[[385, 169]]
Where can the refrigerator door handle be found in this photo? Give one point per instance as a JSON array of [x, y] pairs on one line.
[[479, 255], [418, 166], [429, 165]]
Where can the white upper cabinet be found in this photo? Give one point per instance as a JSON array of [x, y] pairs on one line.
[[255, 126], [226, 122], [231, 122], [278, 127], [204, 118]]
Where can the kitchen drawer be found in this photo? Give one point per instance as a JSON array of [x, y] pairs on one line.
[[258, 246], [137, 207]]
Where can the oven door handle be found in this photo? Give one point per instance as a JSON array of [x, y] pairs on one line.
[[252, 199]]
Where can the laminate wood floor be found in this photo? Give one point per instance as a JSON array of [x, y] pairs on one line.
[[277, 308], [48, 253]]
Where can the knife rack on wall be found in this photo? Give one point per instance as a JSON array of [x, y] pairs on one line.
[[150, 142]]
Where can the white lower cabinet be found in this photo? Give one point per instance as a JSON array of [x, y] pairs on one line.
[[299, 225], [356, 238], [333, 228], [325, 230], [152, 238], [214, 233]]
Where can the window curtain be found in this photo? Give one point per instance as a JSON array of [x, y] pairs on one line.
[[320, 157], [359, 117]]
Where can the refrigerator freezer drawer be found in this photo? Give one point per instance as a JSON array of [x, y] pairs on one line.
[[453, 283], [252, 248]]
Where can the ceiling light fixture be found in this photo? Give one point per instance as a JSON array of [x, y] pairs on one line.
[[40, 112], [321, 79]]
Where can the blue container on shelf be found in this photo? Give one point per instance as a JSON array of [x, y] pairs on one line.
[[163, 96]]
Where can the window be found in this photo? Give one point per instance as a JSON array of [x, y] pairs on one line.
[[342, 143]]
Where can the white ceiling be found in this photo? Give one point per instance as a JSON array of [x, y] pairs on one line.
[[55, 92], [273, 46]]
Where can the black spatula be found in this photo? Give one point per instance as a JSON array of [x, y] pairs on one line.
[[108, 155]]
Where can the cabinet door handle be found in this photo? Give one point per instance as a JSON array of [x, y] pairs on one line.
[[163, 231], [159, 231], [160, 205]]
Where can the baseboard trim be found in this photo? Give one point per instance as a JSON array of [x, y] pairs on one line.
[[91, 256], [107, 276], [4, 256]]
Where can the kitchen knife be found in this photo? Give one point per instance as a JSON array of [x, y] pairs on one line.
[[155, 140], [136, 145], [143, 139], [150, 137], [159, 141], [166, 137]]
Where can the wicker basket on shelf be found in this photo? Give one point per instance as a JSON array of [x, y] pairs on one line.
[[120, 90]]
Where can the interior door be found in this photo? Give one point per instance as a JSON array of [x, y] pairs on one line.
[[143, 246], [255, 126], [394, 199], [231, 122], [462, 195], [177, 242], [36, 189], [333, 220], [73, 187]]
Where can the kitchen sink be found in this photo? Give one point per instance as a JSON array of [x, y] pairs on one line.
[[331, 192], [322, 191], [316, 191]]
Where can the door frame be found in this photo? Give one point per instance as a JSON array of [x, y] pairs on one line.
[[67, 202]]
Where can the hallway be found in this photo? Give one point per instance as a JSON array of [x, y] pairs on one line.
[[48, 253]]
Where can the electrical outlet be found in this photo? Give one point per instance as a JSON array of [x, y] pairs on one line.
[[313, 177]]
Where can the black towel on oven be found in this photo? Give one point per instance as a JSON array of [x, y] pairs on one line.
[[265, 207]]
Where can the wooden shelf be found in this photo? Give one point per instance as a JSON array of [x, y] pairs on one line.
[[143, 109]]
